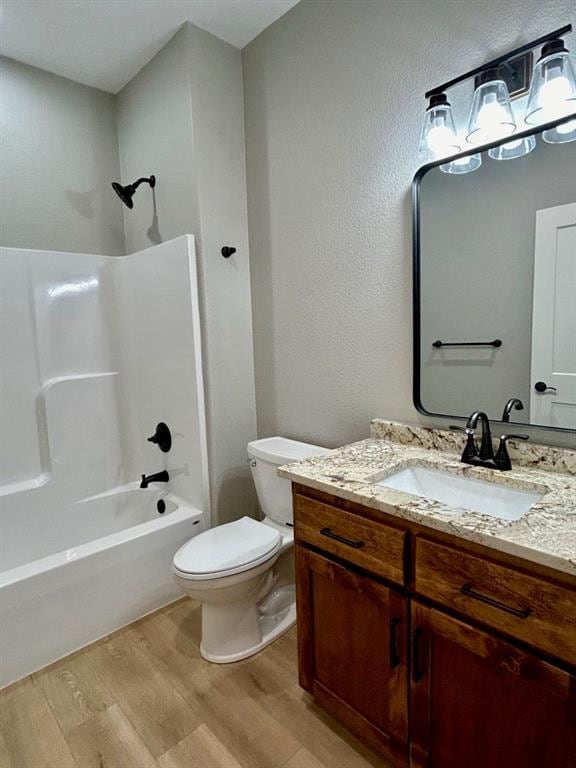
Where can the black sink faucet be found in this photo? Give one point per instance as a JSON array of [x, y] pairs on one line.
[[485, 456], [159, 477], [515, 403], [486, 452]]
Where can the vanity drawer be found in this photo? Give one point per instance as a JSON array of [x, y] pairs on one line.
[[531, 609], [374, 546]]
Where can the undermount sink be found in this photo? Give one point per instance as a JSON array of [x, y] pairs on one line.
[[468, 493]]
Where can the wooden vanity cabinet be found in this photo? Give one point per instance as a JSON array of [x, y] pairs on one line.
[[478, 701], [413, 663], [353, 633]]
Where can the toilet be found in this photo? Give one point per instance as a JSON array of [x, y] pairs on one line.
[[243, 572]]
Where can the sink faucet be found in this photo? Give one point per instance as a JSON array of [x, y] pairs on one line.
[[159, 477], [484, 457], [515, 403]]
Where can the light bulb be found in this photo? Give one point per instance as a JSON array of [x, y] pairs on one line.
[[438, 138], [491, 115], [553, 89], [554, 96], [513, 149], [565, 128]]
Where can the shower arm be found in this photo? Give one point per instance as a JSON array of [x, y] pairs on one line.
[[148, 179]]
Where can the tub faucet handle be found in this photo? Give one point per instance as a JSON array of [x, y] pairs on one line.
[[162, 437]]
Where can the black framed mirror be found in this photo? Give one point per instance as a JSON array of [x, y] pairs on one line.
[[494, 281]]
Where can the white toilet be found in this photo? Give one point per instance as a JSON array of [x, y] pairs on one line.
[[243, 572]]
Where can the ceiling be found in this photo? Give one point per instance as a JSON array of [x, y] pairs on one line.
[[104, 43]]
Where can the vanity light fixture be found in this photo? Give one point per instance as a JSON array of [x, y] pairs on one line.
[[461, 165], [513, 149], [438, 137], [491, 116], [551, 97], [553, 91], [561, 134]]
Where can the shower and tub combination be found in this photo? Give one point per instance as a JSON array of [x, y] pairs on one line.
[[96, 353]]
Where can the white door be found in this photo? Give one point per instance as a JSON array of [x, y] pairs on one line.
[[553, 385]]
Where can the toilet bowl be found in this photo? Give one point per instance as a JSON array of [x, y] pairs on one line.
[[243, 572]]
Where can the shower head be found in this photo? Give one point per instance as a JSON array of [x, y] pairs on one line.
[[126, 193]]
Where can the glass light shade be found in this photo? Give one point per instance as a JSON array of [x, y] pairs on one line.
[[491, 116], [562, 134], [553, 90], [463, 164], [438, 138], [513, 149]]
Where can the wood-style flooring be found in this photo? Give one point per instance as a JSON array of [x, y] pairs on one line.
[[144, 698]]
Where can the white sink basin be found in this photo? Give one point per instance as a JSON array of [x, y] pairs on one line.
[[476, 495]]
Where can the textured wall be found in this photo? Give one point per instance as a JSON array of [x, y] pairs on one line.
[[181, 118], [334, 102], [59, 155]]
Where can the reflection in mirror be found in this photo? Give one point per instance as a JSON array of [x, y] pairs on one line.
[[497, 302]]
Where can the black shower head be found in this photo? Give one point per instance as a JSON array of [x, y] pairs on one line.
[[126, 193]]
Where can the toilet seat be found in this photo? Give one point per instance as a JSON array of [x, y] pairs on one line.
[[226, 550]]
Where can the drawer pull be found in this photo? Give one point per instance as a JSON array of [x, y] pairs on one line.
[[469, 591], [349, 542], [394, 653]]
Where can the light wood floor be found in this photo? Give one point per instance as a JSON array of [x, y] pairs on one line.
[[144, 698]]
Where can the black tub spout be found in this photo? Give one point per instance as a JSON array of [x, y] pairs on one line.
[[159, 477]]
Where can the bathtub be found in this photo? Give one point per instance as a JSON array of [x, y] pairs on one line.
[[89, 568]]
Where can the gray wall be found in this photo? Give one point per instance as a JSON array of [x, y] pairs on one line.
[[181, 118], [334, 103], [477, 251], [59, 155]]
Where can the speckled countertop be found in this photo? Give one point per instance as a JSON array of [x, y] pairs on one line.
[[545, 534]]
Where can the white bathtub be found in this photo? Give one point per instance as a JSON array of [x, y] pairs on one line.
[[70, 576]]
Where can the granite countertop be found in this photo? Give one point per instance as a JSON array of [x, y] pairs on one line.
[[545, 534]]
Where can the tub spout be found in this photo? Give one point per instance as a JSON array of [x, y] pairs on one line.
[[159, 477]]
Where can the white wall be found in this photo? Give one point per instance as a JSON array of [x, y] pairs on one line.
[[59, 155], [334, 103], [181, 118]]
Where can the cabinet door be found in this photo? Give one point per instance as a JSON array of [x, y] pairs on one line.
[[478, 701], [352, 634]]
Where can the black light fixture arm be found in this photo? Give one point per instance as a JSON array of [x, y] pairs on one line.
[[500, 60]]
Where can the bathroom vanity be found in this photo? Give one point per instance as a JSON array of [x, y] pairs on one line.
[[441, 637]]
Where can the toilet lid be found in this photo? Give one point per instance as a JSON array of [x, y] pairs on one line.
[[227, 549]]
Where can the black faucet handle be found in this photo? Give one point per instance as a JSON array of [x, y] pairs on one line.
[[162, 437], [466, 430], [502, 458], [470, 451]]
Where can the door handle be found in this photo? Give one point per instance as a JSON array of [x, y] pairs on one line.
[[469, 591], [393, 643], [542, 387]]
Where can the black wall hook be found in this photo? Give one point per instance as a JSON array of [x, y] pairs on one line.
[[227, 251]]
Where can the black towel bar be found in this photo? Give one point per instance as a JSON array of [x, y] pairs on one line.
[[495, 343]]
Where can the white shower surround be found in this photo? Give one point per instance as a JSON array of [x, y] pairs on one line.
[[96, 351]]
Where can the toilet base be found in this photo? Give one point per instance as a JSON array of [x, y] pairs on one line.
[[253, 627]]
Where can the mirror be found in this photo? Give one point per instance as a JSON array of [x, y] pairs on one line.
[[495, 287]]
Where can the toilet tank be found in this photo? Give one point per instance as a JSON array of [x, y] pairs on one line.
[[274, 493]]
